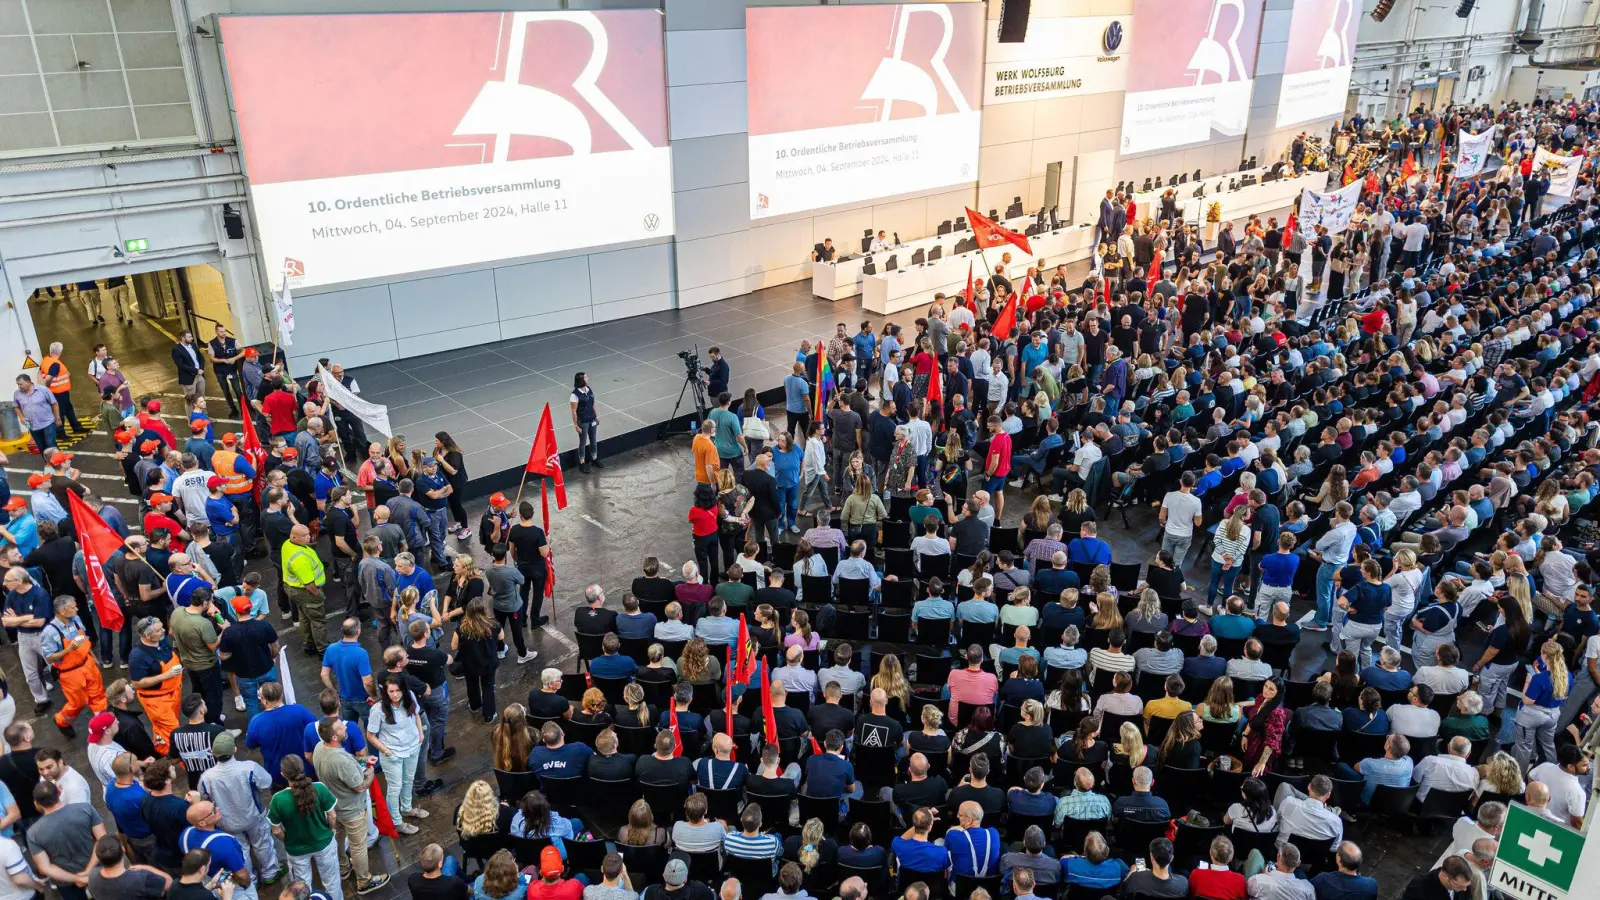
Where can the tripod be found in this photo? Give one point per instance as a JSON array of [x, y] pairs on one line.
[[691, 381]]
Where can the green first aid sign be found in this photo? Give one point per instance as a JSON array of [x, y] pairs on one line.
[[136, 245], [1537, 859]]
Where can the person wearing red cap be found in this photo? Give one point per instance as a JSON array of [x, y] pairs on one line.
[[154, 426], [103, 746], [496, 522], [280, 408], [22, 531], [65, 646], [200, 443], [160, 516], [551, 886]]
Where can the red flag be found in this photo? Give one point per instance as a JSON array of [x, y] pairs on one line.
[[816, 748], [727, 708], [1105, 283], [1349, 174], [745, 664], [254, 453], [1155, 273], [968, 291], [545, 460], [380, 811], [1289, 228], [935, 394], [677, 736], [1007, 322], [988, 234], [1408, 169], [99, 542], [769, 725]]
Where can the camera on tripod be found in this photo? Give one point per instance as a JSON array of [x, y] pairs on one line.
[[691, 361], [695, 380]]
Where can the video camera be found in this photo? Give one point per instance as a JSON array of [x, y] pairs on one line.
[[691, 361]]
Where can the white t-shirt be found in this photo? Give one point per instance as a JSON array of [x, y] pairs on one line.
[[11, 858], [1567, 796], [1181, 509], [1416, 233], [73, 787]]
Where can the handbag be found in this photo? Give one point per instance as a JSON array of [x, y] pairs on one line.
[[756, 429]]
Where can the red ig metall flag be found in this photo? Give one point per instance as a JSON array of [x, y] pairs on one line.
[[545, 460], [99, 542]]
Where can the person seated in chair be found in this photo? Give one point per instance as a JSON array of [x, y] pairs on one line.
[[1447, 771], [1096, 869], [1043, 870], [611, 663], [720, 771], [1216, 880], [1207, 666], [771, 780], [1083, 802], [1141, 805], [974, 850], [1030, 798], [920, 789], [1318, 720], [1393, 769], [1087, 548], [915, 850]]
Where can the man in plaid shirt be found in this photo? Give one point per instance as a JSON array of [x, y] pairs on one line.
[[1083, 803]]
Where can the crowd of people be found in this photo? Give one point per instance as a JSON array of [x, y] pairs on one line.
[[909, 697]]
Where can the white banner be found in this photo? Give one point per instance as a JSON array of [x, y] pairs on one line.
[[283, 306], [1062, 57], [1472, 152], [284, 677], [1561, 170], [374, 414], [1332, 209]]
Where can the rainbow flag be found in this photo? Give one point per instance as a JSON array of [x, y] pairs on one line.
[[824, 380]]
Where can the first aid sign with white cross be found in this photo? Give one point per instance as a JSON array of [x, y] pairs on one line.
[[1538, 859]]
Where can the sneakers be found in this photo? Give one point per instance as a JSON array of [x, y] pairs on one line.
[[445, 755], [67, 730], [404, 828], [238, 703], [794, 529], [416, 812], [597, 464], [285, 615], [528, 657], [433, 786], [378, 881], [40, 709], [501, 654], [1313, 626], [463, 534], [584, 468]]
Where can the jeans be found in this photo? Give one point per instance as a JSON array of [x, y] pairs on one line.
[[436, 703], [734, 462], [326, 862], [788, 505], [44, 437], [1357, 637], [1325, 573], [438, 523], [355, 711], [1177, 546], [588, 441], [247, 690], [1221, 576], [398, 774]]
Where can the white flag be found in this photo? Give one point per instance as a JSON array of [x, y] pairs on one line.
[[1472, 152], [283, 304], [1561, 170], [374, 414], [283, 675], [1331, 209]]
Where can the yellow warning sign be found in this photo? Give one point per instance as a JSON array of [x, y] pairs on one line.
[[29, 362]]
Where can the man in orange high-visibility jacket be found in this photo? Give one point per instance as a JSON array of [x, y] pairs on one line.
[[54, 374], [65, 646]]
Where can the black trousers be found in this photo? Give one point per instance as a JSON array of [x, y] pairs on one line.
[[532, 593], [511, 623], [480, 692], [208, 684], [232, 385], [69, 416]]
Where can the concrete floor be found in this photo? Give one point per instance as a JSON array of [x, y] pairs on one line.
[[615, 518]]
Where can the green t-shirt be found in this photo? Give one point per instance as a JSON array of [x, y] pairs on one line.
[[918, 514], [302, 835], [192, 637], [727, 434], [736, 594]]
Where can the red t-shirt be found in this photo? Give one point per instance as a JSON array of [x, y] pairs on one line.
[[703, 521], [1217, 884], [154, 520], [568, 889], [1373, 322], [925, 364], [999, 461], [280, 407]]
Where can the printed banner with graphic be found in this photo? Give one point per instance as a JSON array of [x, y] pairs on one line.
[[1191, 73], [1561, 170], [1472, 152], [1319, 60], [1331, 209], [374, 414]]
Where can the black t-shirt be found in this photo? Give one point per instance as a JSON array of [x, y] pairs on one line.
[[1031, 741], [181, 891], [134, 884], [692, 890], [616, 767], [547, 706], [526, 540], [427, 664], [651, 770], [879, 731], [20, 773], [192, 745], [137, 573], [594, 621], [991, 798], [971, 535], [248, 645], [445, 887], [226, 561], [771, 787], [826, 717], [929, 745], [791, 722], [338, 524], [778, 598], [659, 590], [167, 817], [914, 795], [276, 526]]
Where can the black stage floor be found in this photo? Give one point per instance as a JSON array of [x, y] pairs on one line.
[[489, 397]]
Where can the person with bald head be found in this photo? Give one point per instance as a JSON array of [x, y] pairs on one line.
[[304, 577], [1448, 771], [921, 790], [876, 729], [853, 888], [974, 850], [720, 771], [227, 854], [1481, 860], [1537, 799]]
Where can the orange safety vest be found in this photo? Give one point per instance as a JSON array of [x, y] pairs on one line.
[[60, 384], [223, 462]]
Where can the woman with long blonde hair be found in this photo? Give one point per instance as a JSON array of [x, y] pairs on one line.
[[479, 811], [1218, 705], [1335, 488], [1403, 584], [810, 845], [1542, 697], [1130, 746], [398, 458], [1106, 613], [1231, 543], [634, 712], [892, 678], [512, 739], [1039, 515]]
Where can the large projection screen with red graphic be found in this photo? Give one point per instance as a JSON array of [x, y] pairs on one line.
[[384, 144], [852, 103], [1191, 72], [1319, 60]]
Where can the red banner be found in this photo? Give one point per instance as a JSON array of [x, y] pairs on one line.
[[989, 234], [99, 542]]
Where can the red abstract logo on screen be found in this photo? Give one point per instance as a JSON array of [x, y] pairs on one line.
[[294, 268], [817, 67], [335, 95], [762, 201], [1193, 43], [1322, 35]]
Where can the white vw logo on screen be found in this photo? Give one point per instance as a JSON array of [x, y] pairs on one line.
[[509, 108]]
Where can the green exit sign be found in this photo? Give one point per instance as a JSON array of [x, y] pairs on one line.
[[136, 245]]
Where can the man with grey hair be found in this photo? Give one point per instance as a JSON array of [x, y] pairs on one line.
[[1278, 881], [1480, 858], [1448, 771], [1141, 805], [28, 609], [308, 443], [190, 489], [1206, 666], [730, 890], [853, 888], [1083, 803], [1044, 550], [547, 702]]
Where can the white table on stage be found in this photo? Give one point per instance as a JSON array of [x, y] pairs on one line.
[[913, 286], [842, 278], [1250, 200]]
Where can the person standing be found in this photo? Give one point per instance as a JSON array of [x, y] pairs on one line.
[[28, 609], [54, 375], [225, 356], [38, 412], [433, 492], [62, 840], [530, 551], [191, 372], [586, 422], [304, 577], [114, 875], [394, 728], [454, 465], [1332, 553], [228, 858], [797, 402], [474, 646], [157, 680], [428, 664], [65, 645], [728, 435], [234, 785], [348, 781], [195, 637], [505, 582], [302, 815]]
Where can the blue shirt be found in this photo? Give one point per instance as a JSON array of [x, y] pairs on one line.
[[1277, 569], [613, 666], [636, 625], [219, 513], [982, 612], [350, 663], [226, 853], [124, 805], [426, 483], [1384, 771], [828, 775], [354, 741], [565, 761], [975, 851], [1339, 886], [278, 733], [786, 466], [1367, 602], [1107, 874], [1541, 690], [1089, 550], [35, 602], [796, 394], [1384, 680], [717, 629], [930, 608]]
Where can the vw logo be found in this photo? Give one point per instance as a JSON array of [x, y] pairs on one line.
[[1112, 38], [652, 222]]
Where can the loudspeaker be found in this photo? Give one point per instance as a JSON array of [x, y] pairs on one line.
[[232, 222], [1014, 21]]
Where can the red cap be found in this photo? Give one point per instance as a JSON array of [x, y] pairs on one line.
[[215, 482], [149, 445], [229, 439], [549, 862], [16, 503], [153, 406], [37, 479], [241, 605], [159, 498], [251, 352], [122, 435], [499, 500], [60, 459], [98, 725], [289, 453], [198, 426]]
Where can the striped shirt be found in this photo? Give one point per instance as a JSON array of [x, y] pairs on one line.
[[753, 846], [1235, 548]]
